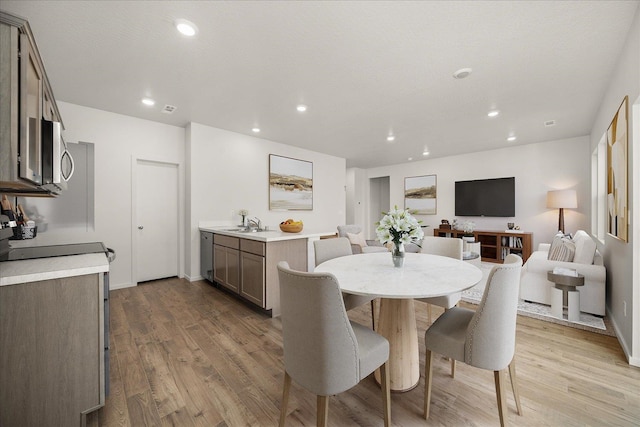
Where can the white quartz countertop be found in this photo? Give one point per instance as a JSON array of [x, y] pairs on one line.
[[267, 236], [32, 270]]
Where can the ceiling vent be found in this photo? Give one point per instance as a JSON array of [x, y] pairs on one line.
[[168, 109], [550, 123]]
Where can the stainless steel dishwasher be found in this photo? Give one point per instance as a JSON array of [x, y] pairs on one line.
[[206, 255]]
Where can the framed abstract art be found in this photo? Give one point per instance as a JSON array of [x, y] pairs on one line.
[[617, 173]]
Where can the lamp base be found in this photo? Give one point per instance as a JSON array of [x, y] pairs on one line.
[[561, 220]]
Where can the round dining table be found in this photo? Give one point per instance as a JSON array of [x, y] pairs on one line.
[[421, 276]]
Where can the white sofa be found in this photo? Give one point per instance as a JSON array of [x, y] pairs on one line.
[[535, 287]]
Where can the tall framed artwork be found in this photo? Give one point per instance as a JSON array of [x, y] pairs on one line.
[[420, 194], [290, 184], [617, 173]]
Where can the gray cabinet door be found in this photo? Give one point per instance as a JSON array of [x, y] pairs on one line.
[[226, 267], [252, 285], [52, 365]]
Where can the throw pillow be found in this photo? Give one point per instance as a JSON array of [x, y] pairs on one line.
[[357, 239], [585, 248], [562, 249]]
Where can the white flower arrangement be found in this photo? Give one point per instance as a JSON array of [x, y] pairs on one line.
[[243, 212], [468, 227], [398, 226]]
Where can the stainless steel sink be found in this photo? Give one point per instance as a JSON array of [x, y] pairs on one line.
[[247, 230]]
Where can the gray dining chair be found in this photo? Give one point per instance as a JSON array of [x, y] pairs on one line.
[[443, 246], [484, 338], [324, 351], [326, 249]]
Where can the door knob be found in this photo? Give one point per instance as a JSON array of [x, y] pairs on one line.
[[140, 227]]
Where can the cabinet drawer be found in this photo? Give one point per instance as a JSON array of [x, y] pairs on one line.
[[252, 247], [229, 242]]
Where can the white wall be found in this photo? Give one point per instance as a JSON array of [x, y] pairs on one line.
[[537, 168], [221, 172], [619, 255], [229, 171], [117, 140]]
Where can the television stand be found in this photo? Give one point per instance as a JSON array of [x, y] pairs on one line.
[[496, 245]]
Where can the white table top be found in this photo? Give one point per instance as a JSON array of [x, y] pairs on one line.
[[422, 275]]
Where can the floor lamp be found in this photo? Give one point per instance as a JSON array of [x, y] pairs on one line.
[[561, 199]]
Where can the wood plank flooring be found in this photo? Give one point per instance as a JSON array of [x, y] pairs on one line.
[[188, 354]]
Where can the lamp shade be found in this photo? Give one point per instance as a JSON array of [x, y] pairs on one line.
[[562, 199]]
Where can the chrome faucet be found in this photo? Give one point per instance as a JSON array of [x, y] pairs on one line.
[[254, 223]]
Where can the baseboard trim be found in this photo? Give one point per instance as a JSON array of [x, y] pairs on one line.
[[634, 361], [121, 286]]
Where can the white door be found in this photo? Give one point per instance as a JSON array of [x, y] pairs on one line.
[[157, 220]]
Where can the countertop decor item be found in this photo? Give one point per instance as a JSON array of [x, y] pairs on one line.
[[291, 226], [399, 227], [243, 213]]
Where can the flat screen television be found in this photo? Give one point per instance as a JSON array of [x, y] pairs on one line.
[[486, 197]]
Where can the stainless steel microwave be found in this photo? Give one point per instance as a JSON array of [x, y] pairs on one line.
[[57, 163]]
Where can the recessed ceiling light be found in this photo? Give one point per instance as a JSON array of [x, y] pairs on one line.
[[425, 153], [511, 138], [493, 113], [462, 73], [255, 130], [148, 101], [410, 158], [301, 108], [186, 28], [391, 138]]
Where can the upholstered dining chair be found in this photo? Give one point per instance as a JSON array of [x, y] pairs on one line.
[[326, 249], [484, 338], [324, 351], [444, 246]]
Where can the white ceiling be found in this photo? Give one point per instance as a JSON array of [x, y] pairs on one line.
[[365, 68]]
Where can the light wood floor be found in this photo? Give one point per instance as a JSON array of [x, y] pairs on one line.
[[188, 354]]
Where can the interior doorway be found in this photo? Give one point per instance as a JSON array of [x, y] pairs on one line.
[[379, 200], [155, 220]]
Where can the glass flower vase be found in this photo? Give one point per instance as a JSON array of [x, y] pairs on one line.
[[397, 255]]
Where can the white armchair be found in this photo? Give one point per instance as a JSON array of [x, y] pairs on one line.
[[358, 243], [535, 287]]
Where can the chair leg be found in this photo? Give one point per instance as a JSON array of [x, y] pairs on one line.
[[373, 315], [323, 411], [502, 400], [453, 367], [385, 386], [514, 385], [285, 398], [428, 362]]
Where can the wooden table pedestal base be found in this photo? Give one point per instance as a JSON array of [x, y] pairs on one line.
[[397, 323]]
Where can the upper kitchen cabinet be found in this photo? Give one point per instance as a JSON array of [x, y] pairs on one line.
[[26, 100]]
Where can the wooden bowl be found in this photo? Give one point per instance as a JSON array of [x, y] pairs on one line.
[[291, 228]]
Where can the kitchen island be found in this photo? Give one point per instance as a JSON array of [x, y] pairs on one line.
[[52, 325], [245, 262]]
